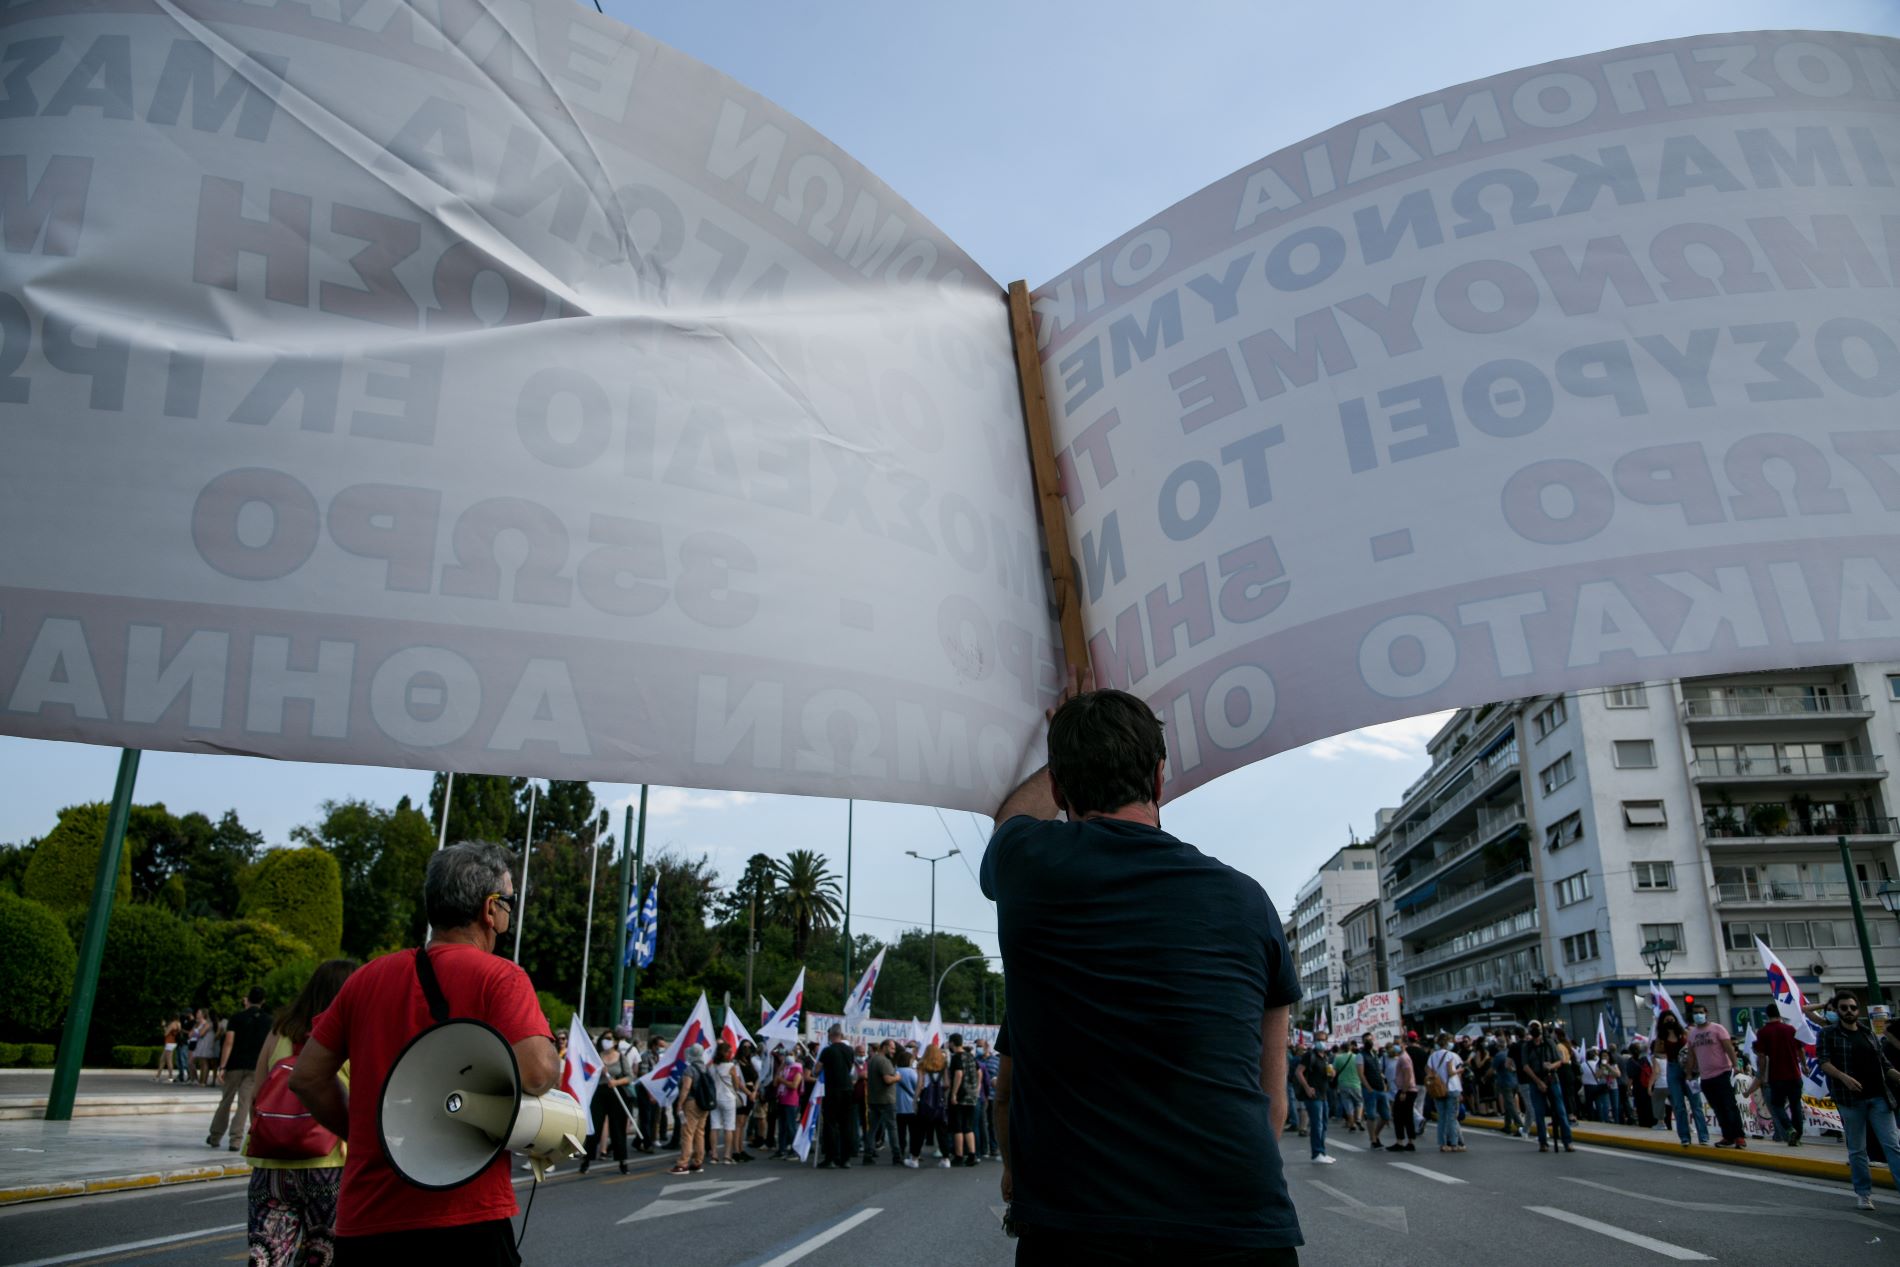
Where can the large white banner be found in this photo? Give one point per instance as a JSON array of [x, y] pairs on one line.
[[1581, 374], [485, 386]]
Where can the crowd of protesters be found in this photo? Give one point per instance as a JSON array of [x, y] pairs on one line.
[[884, 1102]]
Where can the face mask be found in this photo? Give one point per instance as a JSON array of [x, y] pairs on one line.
[[607, 1044], [1833, 1017], [1700, 1018]]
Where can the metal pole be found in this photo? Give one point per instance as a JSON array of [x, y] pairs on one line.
[[850, 811], [626, 901], [933, 918], [587, 938], [92, 945], [527, 852], [1860, 921], [935, 997], [448, 794]]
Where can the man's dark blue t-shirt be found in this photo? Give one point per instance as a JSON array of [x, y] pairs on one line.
[[1139, 972]]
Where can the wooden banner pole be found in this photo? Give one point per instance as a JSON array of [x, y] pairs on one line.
[[1042, 462]]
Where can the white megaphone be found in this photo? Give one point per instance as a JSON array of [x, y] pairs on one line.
[[453, 1103]]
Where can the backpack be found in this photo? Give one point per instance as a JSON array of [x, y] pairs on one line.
[[1435, 1086], [930, 1100], [281, 1127], [704, 1094]]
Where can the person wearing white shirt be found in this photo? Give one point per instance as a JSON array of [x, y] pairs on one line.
[[1448, 1067]]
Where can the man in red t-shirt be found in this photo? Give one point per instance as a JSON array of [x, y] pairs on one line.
[[381, 1217], [1779, 1052]]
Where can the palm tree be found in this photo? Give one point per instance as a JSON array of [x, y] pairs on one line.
[[807, 896]]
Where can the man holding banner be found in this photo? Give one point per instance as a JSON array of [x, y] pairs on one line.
[[1105, 920]]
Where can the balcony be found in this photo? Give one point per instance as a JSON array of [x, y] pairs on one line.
[[1492, 823], [1777, 708], [1487, 988], [1445, 954], [1447, 907], [1784, 831], [1779, 893], [1484, 775], [1764, 769]]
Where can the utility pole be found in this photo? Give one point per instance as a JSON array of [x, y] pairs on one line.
[[1860, 921], [527, 852], [933, 901], [448, 794], [850, 810], [751, 938]]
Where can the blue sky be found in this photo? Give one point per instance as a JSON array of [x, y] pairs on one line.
[[1031, 133]]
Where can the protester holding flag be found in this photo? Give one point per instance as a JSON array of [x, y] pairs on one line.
[[838, 1063], [788, 1080], [1543, 1084], [608, 1107], [1864, 1087]]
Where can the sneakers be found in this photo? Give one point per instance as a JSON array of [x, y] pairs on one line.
[[911, 1162], [1321, 1159], [1376, 1146], [1863, 1203], [943, 1163]]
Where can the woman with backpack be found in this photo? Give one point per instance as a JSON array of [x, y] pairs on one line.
[[296, 1165], [933, 1105]]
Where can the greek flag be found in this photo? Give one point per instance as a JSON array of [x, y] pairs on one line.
[[644, 929]]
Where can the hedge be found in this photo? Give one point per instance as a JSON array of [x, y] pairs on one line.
[[301, 892], [11, 1053], [557, 1012], [40, 965], [65, 864], [241, 953], [154, 967], [37, 1055], [136, 1057], [283, 985]]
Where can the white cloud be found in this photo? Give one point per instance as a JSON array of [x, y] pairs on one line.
[[1402, 740], [671, 802]]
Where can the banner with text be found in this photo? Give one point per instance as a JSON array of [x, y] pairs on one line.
[[1580, 374], [488, 387]]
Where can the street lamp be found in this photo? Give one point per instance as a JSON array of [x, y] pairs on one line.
[[1656, 955], [933, 900], [1540, 986]]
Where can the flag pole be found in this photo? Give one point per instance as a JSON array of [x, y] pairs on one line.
[[587, 938], [630, 860], [1048, 480], [527, 852], [448, 794]]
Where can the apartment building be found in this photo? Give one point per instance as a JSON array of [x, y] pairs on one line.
[[1559, 842], [1345, 881], [1363, 930]]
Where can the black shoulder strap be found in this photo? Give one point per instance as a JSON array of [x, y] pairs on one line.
[[431, 988]]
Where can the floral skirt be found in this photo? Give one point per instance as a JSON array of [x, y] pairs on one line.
[[293, 1216]]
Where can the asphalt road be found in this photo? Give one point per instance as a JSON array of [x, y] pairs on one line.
[[1500, 1202]]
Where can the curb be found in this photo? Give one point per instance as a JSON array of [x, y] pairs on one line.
[[120, 1183], [1784, 1161]]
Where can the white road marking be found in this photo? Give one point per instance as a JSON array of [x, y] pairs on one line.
[[1420, 1170], [821, 1240], [709, 1194], [1331, 1144], [1389, 1217], [1716, 1169], [1628, 1237], [1713, 1207], [129, 1246], [222, 1196]]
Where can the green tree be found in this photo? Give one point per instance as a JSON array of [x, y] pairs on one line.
[[187, 862], [13, 860], [65, 861], [300, 891], [565, 808], [40, 963], [491, 807], [381, 855], [241, 953], [751, 896], [807, 896], [154, 966]]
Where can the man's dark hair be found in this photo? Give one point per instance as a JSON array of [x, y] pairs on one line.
[[1845, 994], [1103, 750], [956, 1042], [256, 996]]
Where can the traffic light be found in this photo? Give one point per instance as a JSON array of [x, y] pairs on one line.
[[1688, 1000]]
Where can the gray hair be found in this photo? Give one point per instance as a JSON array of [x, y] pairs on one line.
[[460, 879]]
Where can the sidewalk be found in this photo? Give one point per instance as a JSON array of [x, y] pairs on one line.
[[40, 1159], [1816, 1158], [102, 1093]]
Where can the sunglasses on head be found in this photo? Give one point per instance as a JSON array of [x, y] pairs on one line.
[[506, 899]]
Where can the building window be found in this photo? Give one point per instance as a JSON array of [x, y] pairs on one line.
[[1644, 814], [1580, 947], [1634, 754], [1671, 933], [1655, 875], [1557, 773], [1893, 686], [1551, 718], [1573, 889], [1629, 695], [1564, 831]]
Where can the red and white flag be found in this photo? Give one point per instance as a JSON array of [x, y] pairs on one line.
[[1603, 1038], [933, 1032], [664, 1081], [783, 1025], [732, 1033], [1792, 1006], [808, 1123], [1659, 1002], [857, 1007], [580, 1075]]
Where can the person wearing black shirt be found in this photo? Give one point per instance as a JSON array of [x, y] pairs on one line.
[[1118, 937], [839, 1064], [237, 1070]]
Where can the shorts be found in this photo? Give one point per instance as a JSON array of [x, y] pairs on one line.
[[1378, 1106], [963, 1119], [725, 1117], [1353, 1097]]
